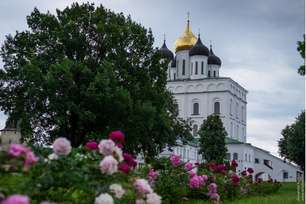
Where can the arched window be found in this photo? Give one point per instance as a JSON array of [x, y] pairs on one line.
[[237, 109], [231, 104], [183, 70], [217, 107], [174, 76], [202, 67], [235, 156], [196, 67], [214, 73], [195, 130], [191, 70], [237, 131], [245, 157], [208, 74], [196, 109], [242, 113]]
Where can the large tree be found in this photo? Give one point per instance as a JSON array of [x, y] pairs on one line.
[[212, 139], [292, 144], [87, 70], [301, 50]]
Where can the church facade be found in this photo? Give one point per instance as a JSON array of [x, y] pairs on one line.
[[199, 90]]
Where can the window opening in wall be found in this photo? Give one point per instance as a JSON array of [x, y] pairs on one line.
[[217, 107], [196, 68], [228, 156], [214, 73], [202, 67], [235, 156], [196, 109], [256, 161], [208, 74], [183, 70], [191, 69]]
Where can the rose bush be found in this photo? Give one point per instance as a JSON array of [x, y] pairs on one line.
[[102, 172]]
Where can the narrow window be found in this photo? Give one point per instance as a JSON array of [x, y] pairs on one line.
[[183, 70], [231, 104], [208, 74], [235, 156], [214, 73], [202, 67], [196, 68], [242, 113], [174, 76], [217, 107], [196, 109], [228, 156], [191, 70]]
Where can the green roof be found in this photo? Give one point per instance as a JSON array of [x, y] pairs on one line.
[[232, 141]]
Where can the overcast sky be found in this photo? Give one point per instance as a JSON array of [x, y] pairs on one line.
[[256, 41]]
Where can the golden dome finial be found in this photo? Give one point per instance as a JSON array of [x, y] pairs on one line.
[[187, 39]]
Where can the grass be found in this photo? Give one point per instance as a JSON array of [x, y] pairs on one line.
[[287, 194]]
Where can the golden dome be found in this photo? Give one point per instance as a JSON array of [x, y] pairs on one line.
[[186, 40]]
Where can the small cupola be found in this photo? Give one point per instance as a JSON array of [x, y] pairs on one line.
[[165, 52], [213, 59], [199, 48]]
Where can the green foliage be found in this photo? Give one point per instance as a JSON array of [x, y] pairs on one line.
[[87, 71], [68, 180], [301, 50], [212, 139], [292, 143], [172, 182]]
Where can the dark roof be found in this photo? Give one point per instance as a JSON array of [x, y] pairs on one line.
[[165, 52], [213, 59], [199, 49]]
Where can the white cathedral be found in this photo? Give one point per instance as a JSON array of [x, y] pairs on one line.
[[199, 91]]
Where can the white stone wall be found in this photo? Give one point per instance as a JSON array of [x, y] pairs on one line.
[[253, 157], [206, 92]]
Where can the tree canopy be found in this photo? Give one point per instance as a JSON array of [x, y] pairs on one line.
[[86, 71], [292, 144], [212, 139], [301, 50]]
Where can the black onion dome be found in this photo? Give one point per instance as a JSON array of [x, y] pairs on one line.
[[199, 49], [165, 52], [213, 59]]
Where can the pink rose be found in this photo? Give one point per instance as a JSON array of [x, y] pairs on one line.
[[124, 167], [106, 147], [188, 166], [234, 163], [140, 201], [152, 175], [244, 173], [17, 150], [142, 187], [175, 160], [61, 146], [17, 199], [191, 174], [30, 159], [250, 170], [194, 182], [117, 136], [212, 188], [91, 145], [215, 197], [235, 179], [109, 165], [129, 159], [153, 198]]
